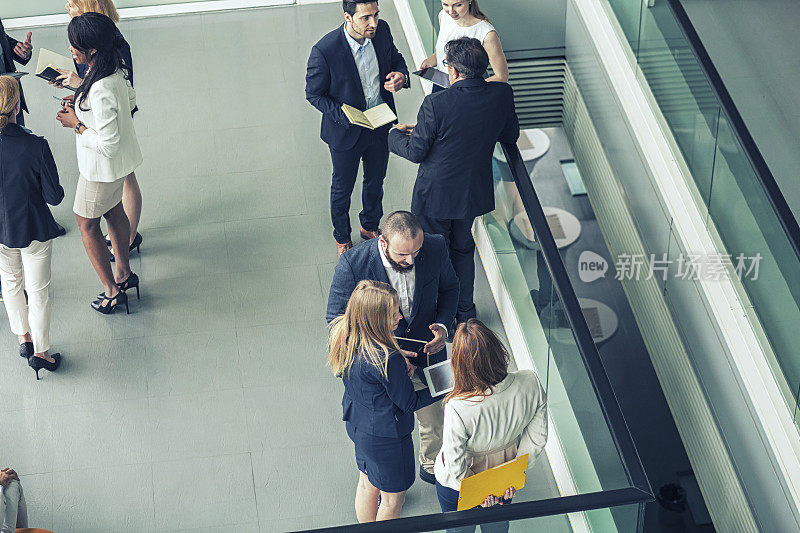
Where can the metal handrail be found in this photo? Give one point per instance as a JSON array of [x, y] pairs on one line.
[[639, 490], [765, 177]]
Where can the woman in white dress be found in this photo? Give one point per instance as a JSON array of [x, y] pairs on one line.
[[463, 18], [108, 151]]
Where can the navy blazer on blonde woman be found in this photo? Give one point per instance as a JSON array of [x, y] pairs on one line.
[[28, 182], [379, 406]]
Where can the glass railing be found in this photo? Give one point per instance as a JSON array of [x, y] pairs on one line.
[[591, 454], [744, 204]]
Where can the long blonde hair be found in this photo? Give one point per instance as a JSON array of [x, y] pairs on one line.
[[106, 7], [365, 328], [476, 12], [9, 98]]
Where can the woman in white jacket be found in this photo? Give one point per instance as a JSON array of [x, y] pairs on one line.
[[491, 416], [100, 114]]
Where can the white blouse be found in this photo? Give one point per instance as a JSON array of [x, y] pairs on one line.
[[449, 30], [481, 433], [108, 149]]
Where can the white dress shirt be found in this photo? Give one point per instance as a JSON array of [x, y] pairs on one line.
[[368, 70], [108, 149], [403, 282], [482, 433]]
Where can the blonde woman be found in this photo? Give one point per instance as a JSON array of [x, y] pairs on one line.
[[463, 18], [490, 417], [379, 400], [27, 229], [131, 193]]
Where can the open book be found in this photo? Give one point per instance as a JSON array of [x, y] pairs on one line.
[[49, 63], [372, 118]]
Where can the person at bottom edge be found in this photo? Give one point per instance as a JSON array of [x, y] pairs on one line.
[[379, 399], [485, 391]]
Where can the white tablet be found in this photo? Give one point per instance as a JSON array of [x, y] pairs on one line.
[[440, 378]]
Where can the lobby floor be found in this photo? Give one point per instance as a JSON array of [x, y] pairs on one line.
[[209, 406]]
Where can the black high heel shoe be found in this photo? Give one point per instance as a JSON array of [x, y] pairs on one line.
[[38, 363], [26, 349], [107, 308], [137, 242], [130, 283]]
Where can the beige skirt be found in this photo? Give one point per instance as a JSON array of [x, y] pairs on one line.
[[94, 199]]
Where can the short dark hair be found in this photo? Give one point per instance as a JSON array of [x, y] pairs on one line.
[[351, 6], [401, 223], [467, 56]]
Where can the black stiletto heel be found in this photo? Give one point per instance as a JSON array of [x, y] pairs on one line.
[[38, 363], [137, 242], [107, 309], [26, 349], [131, 282]]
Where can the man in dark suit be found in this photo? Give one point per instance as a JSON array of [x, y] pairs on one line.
[[453, 140], [12, 50], [355, 64], [418, 266]]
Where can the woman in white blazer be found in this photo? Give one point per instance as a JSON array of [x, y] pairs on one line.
[[491, 416], [100, 114]]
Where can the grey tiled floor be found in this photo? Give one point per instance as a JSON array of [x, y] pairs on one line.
[[211, 404]]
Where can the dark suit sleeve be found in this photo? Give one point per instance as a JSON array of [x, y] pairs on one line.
[[447, 303], [318, 84], [344, 281], [415, 147], [21, 60], [401, 390], [52, 190], [510, 132]]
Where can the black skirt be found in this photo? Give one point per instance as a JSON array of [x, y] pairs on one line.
[[388, 462]]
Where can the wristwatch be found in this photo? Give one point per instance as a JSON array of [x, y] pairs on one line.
[[78, 127]]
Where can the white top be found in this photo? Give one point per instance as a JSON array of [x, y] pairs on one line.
[[482, 433], [403, 282], [449, 30], [108, 149]]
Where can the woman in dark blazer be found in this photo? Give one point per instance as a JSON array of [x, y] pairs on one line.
[[28, 182], [379, 400], [131, 193]]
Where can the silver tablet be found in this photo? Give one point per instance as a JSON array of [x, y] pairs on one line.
[[440, 378]]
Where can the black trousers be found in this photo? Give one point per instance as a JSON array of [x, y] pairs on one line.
[[458, 234], [372, 148]]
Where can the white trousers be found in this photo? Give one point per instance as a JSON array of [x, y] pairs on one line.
[[13, 511], [28, 268]]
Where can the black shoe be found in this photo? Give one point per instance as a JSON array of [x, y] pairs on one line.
[[137, 242], [26, 349], [130, 283], [104, 305], [37, 363], [426, 476]]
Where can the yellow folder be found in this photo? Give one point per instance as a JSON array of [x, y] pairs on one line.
[[475, 489]]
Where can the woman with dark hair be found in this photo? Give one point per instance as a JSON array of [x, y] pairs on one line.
[[131, 193], [463, 18], [100, 114], [491, 416]]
